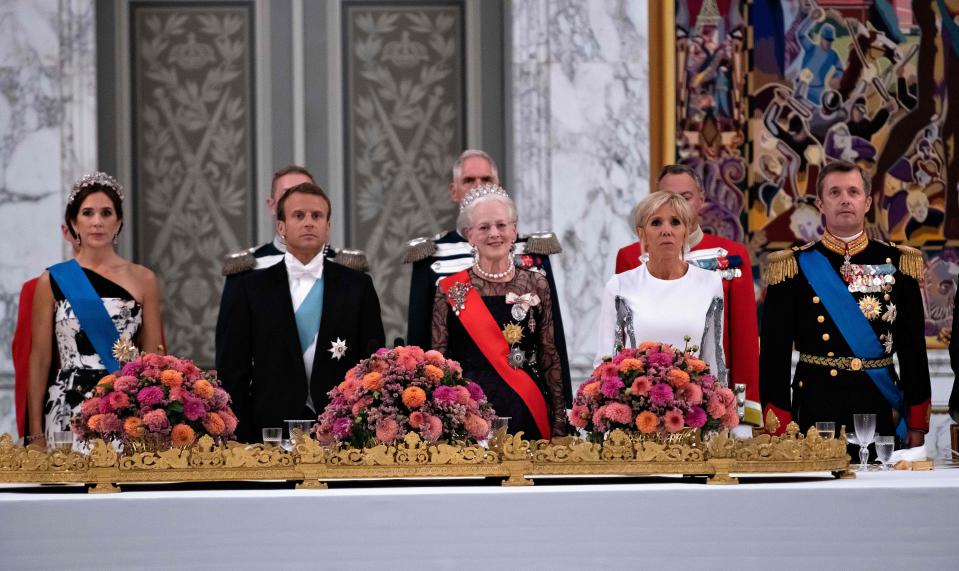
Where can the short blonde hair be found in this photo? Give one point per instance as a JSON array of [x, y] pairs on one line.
[[648, 206]]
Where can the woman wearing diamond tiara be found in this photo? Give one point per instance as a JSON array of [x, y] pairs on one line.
[[665, 299], [88, 304], [496, 320]]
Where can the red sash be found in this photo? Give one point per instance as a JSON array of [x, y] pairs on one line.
[[486, 333]]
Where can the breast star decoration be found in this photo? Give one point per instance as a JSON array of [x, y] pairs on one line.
[[887, 341], [890, 314], [870, 307], [337, 348], [513, 333]]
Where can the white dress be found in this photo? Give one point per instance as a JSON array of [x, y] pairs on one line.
[[639, 307]]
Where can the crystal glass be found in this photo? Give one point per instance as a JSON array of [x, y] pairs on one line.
[[500, 422], [272, 436], [865, 425], [299, 428], [884, 448], [827, 430], [62, 439]]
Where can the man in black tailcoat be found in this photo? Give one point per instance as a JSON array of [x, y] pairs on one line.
[[290, 332]]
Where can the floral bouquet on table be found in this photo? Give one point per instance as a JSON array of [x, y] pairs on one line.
[[402, 390], [157, 400], [655, 389]]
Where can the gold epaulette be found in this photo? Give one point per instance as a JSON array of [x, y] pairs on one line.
[[543, 244], [238, 262], [353, 259], [418, 249], [781, 266], [911, 262]]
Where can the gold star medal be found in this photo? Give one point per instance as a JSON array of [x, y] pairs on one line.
[[513, 333], [870, 307]]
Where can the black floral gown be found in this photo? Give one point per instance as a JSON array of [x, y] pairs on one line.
[[80, 366], [538, 344]]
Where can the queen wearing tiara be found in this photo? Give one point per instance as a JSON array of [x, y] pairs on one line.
[[88, 304], [496, 319]]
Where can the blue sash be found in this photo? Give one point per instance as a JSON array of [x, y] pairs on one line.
[[308, 316], [853, 326], [87, 305]]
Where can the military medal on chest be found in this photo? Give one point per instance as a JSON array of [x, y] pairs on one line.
[[521, 306], [868, 278]]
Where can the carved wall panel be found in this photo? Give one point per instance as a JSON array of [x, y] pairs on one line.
[[193, 155], [404, 109]]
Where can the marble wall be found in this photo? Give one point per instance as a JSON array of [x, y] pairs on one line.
[[580, 140], [47, 139]]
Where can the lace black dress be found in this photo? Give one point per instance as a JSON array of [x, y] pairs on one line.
[[80, 366], [538, 345]]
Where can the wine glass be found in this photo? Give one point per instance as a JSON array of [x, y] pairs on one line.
[[865, 432], [827, 430], [884, 448]]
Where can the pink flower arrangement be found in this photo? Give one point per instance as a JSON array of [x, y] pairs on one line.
[[653, 388], [157, 399], [402, 390]]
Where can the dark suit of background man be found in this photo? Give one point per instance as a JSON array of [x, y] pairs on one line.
[[292, 330], [832, 381]]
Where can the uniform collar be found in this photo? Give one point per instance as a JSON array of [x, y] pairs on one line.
[[695, 237], [848, 246]]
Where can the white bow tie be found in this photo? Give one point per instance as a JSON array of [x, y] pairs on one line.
[[303, 272]]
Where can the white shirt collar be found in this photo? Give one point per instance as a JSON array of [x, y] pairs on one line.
[[850, 238], [298, 270], [279, 243]]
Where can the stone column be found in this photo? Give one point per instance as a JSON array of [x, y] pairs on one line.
[[580, 142]]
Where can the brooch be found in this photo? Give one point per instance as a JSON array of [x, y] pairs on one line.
[[456, 296]]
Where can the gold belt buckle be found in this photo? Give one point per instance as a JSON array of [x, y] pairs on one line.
[[855, 364]]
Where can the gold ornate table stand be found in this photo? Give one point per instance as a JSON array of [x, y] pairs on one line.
[[509, 457]]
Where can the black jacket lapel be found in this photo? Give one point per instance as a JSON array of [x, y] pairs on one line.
[[331, 301]]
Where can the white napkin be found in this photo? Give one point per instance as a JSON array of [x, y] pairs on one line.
[[909, 454]]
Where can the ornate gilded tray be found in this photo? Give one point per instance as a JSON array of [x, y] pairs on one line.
[[508, 457]]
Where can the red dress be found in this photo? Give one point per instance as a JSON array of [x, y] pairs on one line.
[[740, 328]]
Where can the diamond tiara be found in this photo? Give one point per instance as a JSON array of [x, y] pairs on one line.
[[488, 189], [97, 178]]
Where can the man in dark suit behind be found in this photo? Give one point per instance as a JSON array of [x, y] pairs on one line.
[[293, 330]]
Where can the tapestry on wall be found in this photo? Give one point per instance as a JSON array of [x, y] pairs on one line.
[[769, 91]]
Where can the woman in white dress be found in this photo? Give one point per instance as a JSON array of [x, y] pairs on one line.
[[665, 299]]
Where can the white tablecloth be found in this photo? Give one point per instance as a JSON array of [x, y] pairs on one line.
[[879, 520]]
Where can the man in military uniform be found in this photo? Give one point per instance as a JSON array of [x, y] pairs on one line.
[[445, 254], [265, 255], [847, 303], [731, 260]]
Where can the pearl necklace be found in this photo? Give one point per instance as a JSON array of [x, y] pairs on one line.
[[491, 276]]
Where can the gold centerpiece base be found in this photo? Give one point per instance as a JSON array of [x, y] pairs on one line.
[[509, 457]]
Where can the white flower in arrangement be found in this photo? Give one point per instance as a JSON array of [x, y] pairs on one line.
[[338, 348]]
